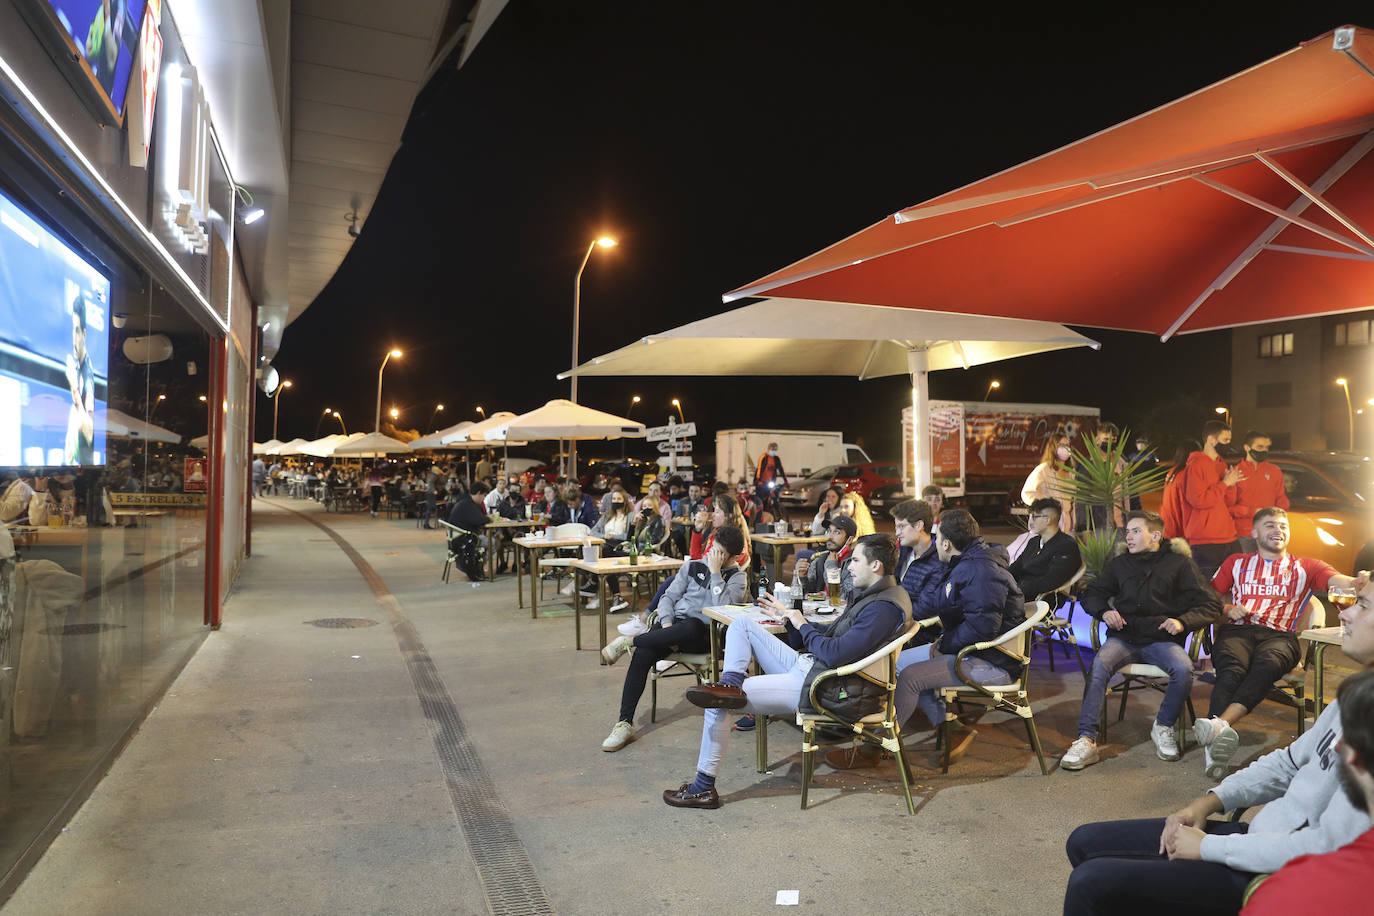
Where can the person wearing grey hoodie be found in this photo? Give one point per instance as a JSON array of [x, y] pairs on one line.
[[1186, 863], [680, 624]]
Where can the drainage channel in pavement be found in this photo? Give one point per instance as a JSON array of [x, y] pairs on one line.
[[509, 881]]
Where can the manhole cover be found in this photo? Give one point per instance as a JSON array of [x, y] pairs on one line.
[[82, 629], [342, 623]]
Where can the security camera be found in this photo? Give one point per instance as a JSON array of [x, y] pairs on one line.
[[352, 223]]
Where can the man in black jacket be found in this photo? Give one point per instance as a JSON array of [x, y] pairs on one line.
[[469, 514], [1150, 598], [1050, 557]]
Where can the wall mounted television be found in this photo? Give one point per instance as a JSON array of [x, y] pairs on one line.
[[54, 347], [97, 43]]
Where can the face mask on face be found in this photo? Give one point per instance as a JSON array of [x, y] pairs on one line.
[[773, 452], [1229, 452], [1259, 455], [1063, 452]]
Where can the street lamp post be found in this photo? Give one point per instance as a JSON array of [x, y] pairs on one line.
[[276, 402], [678, 405], [629, 416], [339, 417], [1349, 411], [327, 412], [377, 419], [438, 408], [156, 403], [991, 385], [481, 411], [1226, 414], [604, 241]]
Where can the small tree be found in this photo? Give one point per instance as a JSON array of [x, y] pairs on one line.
[[1108, 478]]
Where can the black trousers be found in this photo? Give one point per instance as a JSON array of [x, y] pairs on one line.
[[1209, 557], [1248, 660], [1117, 870], [688, 635]]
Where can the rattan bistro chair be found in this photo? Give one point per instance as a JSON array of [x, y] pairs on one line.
[[696, 664], [880, 728], [1060, 629], [1011, 697], [1151, 676]]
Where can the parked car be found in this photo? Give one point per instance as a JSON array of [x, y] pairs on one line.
[[875, 482], [1331, 506], [807, 491], [634, 475]]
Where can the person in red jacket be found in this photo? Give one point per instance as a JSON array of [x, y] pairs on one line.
[[1209, 492], [1171, 509], [1262, 486]]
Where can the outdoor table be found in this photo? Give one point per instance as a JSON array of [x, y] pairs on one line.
[[534, 548], [505, 524], [608, 566], [1320, 638], [723, 615], [787, 540]]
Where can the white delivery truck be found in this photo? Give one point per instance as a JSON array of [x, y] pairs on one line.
[[802, 451]]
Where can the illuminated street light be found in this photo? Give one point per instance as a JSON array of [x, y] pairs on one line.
[[678, 404], [377, 420], [604, 241], [438, 408], [276, 402], [481, 411], [991, 385]]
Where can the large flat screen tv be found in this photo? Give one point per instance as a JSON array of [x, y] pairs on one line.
[[54, 347], [100, 37]]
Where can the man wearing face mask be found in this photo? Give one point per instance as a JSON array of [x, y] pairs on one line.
[[1209, 492], [1261, 487], [838, 546]]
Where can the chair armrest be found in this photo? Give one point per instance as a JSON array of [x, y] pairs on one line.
[[1016, 632], [873, 657]]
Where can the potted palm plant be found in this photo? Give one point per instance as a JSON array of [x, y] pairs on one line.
[[1105, 477]]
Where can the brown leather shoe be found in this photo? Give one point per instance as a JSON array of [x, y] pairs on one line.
[[679, 798], [717, 696], [856, 757]]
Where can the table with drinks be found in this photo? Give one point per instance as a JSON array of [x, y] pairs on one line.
[[1341, 597], [602, 567], [498, 525], [781, 537], [534, 546]]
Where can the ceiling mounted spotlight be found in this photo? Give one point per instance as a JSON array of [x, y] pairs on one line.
[[352, 223]]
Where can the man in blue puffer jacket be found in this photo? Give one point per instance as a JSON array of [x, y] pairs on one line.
[[978, 601]]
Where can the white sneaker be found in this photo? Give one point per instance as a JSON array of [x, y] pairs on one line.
[[567, 589], [1082, 753], [621, 735], [632, 627], [1205, 730], [1210, 767], [664, 664], [1222, 749], [618, 647], [1166, 741], [592, 604], [617, 605]]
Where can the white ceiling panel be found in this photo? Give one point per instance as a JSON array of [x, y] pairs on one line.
[[342, 121], [417, 18], [368, 155], [330, 43], [331, 197], [313, 83], [329, 176]]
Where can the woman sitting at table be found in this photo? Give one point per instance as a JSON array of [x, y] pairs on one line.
[[680, 624], [829, 505], [615, 527], [853, 505]]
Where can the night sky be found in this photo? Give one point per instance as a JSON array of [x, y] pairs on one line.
[[719, 142]]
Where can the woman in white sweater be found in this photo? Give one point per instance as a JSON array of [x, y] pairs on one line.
[[1053, 478]]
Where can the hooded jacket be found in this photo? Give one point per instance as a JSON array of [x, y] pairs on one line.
[[695, 588], [1207, 501], [1149, 588], [979, 601]]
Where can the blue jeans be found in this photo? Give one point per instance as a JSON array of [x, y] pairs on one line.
[[919, 676], [1117, 869], [1115, 654], [776, 692]]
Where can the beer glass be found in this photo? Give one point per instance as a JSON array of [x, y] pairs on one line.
[[832, 586], [1341, 596]]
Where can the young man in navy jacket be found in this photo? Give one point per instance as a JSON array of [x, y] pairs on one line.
[[878, 611]]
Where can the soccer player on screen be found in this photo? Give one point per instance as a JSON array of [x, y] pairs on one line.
[[80, 447]]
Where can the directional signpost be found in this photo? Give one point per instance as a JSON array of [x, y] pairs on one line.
[[674, 444]]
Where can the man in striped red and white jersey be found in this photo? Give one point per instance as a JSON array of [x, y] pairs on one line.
[[1265, 594]]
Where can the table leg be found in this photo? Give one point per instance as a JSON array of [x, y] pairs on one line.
[[519, 579], [577, 611], [601, 613], [761, 741], [534, 553], [1318, 701]]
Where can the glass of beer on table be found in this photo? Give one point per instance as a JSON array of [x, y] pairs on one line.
[[1342, 596], [832, 586]]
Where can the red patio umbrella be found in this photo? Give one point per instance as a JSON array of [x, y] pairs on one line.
[[1244, 202]]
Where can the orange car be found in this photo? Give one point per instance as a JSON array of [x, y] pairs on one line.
[[1331, 511]]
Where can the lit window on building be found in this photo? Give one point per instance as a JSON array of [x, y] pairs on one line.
[[1271, 345], [1352, 333]]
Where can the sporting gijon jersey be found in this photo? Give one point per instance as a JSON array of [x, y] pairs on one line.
[[1273, 592]]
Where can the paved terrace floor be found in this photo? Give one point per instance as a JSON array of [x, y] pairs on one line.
[[298, 769]]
